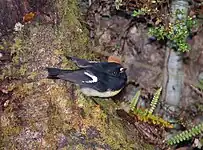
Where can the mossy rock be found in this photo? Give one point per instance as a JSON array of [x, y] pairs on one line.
[[48, 114]]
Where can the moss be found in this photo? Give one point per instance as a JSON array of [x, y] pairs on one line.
[[9, 128], [23, 90], [80, 147], [56, 106], [32, 75], [73, 32], [62, 119], [111, 129], [18, 67], [55, 122], [1, 47], [11, 131], [23, 69]]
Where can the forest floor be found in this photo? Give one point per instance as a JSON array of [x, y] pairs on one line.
[[38, 113]]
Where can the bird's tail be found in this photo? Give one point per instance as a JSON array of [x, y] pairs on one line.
[[53, 73]]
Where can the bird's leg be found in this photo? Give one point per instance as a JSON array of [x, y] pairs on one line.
[[132, 82]]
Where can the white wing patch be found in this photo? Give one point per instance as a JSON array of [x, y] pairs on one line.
[[94, 78]]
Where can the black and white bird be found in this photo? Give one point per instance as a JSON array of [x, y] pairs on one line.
[[99, 79]]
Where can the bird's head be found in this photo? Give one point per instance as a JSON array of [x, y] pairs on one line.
[[117, 70]]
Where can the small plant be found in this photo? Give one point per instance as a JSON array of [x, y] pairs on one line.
[[155, 100], [135, 100], [146, 115], [118, 3], [186, 135], [176, 33], [159, 32], [142, 11], [138, 13]]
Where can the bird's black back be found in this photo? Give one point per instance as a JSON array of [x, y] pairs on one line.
[[109, 77]]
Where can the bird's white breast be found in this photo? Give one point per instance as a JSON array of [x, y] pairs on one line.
[[92, 92]]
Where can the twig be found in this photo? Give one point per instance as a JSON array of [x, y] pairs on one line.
[[196, 90]]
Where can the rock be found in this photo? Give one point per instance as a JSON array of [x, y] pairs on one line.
[[200, 58], [200, 77]]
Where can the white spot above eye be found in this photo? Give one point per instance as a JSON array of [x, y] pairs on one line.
[[122, 69], [94, 78]]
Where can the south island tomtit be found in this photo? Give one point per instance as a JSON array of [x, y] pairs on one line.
[[98, 79]]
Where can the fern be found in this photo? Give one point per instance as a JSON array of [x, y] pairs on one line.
[[144, 116], [186, 135], [155, 100], [135, 100]]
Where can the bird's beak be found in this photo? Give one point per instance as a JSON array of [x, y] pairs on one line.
[[123, 69]]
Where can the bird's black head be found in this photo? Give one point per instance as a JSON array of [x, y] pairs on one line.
[[114, 69]]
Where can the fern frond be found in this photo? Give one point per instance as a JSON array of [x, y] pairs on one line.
[[155, 100], [144, 116], [186, 135], [135, 100]]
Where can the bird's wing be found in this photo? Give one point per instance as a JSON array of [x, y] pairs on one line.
[[80, 76], [107, 83], [99, 81], [82, 63]]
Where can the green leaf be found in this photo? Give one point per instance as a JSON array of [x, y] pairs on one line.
[[135, 100]]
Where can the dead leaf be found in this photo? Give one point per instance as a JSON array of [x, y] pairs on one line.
[[29, 16], [114, 59]]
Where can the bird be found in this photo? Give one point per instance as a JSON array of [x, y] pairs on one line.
[[95, 79]]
